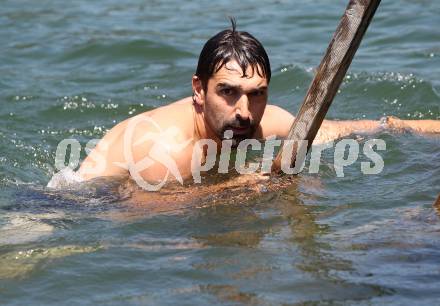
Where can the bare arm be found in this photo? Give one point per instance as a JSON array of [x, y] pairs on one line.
[[416, 126], [345, 128], [107, 158], [331, 130], [278, 121]]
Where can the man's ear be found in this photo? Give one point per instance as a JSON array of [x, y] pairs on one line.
[[198, 92]]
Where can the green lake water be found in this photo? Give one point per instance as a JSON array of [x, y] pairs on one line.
[[74, 69]]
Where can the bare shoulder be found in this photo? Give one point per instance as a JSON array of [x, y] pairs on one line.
[[168, 126], [276, 121], [272, 109], [162, 140], [133, 138], [177, 115]]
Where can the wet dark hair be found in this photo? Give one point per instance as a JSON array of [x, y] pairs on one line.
[[230, 45]]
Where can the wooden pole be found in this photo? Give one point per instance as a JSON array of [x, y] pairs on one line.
[[329, 76], [437, 202]]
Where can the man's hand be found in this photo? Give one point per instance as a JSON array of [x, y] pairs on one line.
[[417, 126]]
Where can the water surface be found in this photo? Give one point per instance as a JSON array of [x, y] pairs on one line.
[[74, 69]]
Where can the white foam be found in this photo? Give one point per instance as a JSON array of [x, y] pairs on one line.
[[65, 178]]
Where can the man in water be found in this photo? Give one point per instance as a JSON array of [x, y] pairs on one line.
[[230, 95]]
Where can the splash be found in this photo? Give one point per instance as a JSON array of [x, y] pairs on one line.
[[65, 178]]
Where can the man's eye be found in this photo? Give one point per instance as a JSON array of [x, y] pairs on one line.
[[258, 93], [227, 91]]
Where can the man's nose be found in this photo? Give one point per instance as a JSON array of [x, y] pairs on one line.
[[242, 110]]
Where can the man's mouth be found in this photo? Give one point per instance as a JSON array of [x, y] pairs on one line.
[[240, 130]]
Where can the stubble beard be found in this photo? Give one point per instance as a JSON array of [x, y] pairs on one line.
[[237, 138]]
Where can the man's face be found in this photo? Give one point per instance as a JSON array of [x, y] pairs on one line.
[[236, 103]]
